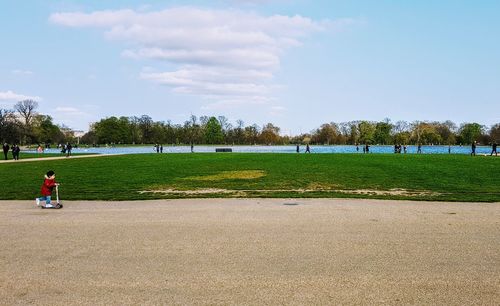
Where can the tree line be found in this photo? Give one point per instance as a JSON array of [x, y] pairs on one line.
[[219, 130], [24, 125]]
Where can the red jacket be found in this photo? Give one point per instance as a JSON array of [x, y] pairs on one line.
[[47, 186]]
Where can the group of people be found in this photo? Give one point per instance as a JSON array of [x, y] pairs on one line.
[[66, 149], [15, 151], [398, 148], [308, 149], [158, 148], [493, 149]]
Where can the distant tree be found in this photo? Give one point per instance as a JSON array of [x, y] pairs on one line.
[[470, 132], [45, 131], [446, 131], [213, 132], [270, 134], [495, 133], [145, 126], [238, 132], [9, 128], [89, 138], [383, 131], [112, 130], [353, 132], [366, 132], [251, 134], [27, 111], [326, 134], [135, 131]]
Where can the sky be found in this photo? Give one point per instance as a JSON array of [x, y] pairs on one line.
[[295, 63]]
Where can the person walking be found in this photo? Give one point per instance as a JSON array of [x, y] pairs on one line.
[[15, 152], [308, 149], [494, 149], [367, 148], [297, 149], [69, 147], [473, 147], [6, 150], [419, 149], [161, 148], [192, 148]]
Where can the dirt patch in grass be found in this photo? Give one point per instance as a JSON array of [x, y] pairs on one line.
[[393, 192], [189, 192], [230, 175], [244, 192]]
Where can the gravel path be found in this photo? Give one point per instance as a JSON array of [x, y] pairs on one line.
[[250, 251], [54, 158]]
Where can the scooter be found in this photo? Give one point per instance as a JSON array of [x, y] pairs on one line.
[[58, 204]]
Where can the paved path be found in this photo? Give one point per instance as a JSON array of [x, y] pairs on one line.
[[250, 251], [55, 158]]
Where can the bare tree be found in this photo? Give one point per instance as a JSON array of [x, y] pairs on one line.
[[27, 110]]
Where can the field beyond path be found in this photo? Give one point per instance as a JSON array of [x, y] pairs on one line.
[[254, 175], [250, 251]]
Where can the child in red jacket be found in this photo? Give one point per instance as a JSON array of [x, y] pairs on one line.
[[48, 185]]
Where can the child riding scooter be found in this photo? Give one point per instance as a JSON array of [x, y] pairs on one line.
[[48, 185]]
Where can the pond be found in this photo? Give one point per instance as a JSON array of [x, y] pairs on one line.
[[272, 149]]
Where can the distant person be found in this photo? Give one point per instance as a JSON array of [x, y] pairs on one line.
[[39, 149], [364, 149], [357, 148], [6, 150], [397, 149], [15, 152], [192, 148], [297, 149], [157, 148], [69, 147], [161, 148], [494, 149], [419, 149], [473, 147], [405, 149], [308, 149], [449, 149], [367, 148]]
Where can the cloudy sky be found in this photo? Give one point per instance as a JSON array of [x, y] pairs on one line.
[[296, 63]]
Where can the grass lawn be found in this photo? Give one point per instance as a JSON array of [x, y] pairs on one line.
[[153, 176]]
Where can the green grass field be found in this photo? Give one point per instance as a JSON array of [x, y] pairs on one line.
[[153, 176]]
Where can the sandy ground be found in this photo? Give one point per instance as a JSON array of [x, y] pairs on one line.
[[250, 251]]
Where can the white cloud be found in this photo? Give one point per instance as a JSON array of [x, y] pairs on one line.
[[68, 110], [22, 72], [75, 117], [277, 110], [218, 54], [14, 97]]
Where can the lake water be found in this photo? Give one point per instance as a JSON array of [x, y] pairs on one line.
[[275, 149]]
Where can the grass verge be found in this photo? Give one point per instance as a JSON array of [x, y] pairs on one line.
[[154, 176]]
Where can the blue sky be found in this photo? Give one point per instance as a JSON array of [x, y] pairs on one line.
[[297, 64]]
